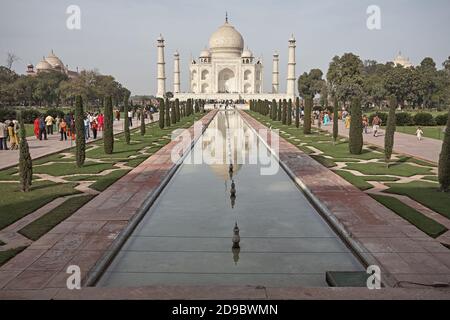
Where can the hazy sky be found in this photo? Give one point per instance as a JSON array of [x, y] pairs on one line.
[[119, 37]]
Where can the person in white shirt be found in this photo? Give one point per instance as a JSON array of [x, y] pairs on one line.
[[130, 117], [419, 133]]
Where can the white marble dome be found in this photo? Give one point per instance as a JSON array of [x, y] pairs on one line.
[[205, 54], [43, 65], [247, 54], [226, 41], [54, 61]]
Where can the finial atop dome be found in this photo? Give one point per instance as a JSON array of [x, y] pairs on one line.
[[226, 16]]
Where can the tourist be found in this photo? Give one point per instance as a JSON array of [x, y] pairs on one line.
[[86, 128], [16, 131], [100, 120], [63, 129], [117, 115], [326, 119], [130, 117], [12, 137], [94, 127], [57, 122], [376, 123], [348, 120], [36, 127], [365, 122], [49, 123], [419, 133], [72, 128], [42, 127], [3, 136]]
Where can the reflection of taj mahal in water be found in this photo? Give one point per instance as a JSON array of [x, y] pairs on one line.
[[226, 71]]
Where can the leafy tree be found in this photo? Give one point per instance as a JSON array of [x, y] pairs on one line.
[[345, 77], [108, 134], [25, 162], [444, 160], [390, 130], [80, 134], [356, 135]]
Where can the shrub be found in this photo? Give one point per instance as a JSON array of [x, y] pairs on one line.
[[424, 119], [444, 160], [405, 119], [441, 119], [54, 112]]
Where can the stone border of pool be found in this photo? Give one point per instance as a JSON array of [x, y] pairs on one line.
[[376, 235]]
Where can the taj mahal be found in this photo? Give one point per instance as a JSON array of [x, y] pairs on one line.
[[227, 71]]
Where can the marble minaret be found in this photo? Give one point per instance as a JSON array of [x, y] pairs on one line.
[[291, 68], [176, 73], [161, 69], [275, 73]]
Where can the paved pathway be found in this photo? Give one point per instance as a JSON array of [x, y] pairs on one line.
[[427, 149], [40, 148]]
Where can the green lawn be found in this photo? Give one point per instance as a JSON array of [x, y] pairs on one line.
[[422, 222], [427, 193], [395, 169], [44, 224], [16, 204], [428, 132], [358, 182]]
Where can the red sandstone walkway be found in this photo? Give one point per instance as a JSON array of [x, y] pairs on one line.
[[87, 235], [427, 149], [403, 252], [42, 148]]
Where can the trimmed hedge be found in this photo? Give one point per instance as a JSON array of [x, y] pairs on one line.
[[424, 119], [404, 119], [441, 120]]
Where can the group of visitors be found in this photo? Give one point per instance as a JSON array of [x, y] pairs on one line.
[[65, 126], [9, 131]]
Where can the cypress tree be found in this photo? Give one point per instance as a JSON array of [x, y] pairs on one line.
[[273, 110], [108, 135], [289, 115], [177, 110], [307, 119], [167, 113], [25, 162], [162, 110], [173, 116], [142, 120], [356, 131], [279, 113], [444, 160], [390, 130], [284, 112], [335, 120], [297, 112], [126, 121], [80, 134]]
